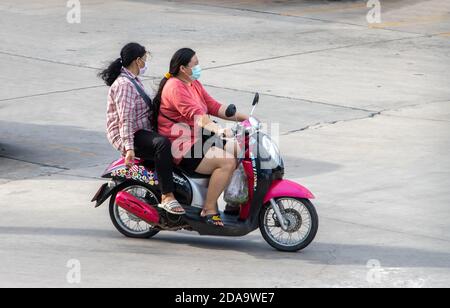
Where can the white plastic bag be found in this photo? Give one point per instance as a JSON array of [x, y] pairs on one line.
[[237, 192]]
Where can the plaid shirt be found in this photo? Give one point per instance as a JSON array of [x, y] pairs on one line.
[[127, 112]]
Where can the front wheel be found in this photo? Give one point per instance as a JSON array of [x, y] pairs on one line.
[[302, 224]]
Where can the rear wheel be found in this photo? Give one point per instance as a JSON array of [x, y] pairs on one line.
[[127, 223], [302, 224]]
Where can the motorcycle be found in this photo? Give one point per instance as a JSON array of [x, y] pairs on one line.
[[280, 208]]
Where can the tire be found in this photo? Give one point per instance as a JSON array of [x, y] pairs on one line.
[[265, 211], [116, 218]]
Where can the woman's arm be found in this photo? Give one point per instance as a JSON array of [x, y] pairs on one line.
[[126, 102], [219, 110], [206, 123], [240, 117]]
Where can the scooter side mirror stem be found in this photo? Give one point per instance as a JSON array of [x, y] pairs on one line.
[[256, 99], [255, 103]]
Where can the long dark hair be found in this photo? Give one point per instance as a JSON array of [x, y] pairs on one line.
[[181, 58], [129, 53]]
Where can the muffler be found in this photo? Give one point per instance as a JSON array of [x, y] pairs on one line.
[[137, 207]]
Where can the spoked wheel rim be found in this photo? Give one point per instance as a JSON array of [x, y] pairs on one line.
[[299, 220], [127, 220]]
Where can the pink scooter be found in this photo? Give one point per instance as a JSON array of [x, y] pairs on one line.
[[280, 208]]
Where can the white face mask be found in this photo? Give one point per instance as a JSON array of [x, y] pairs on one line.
[[143, 70]]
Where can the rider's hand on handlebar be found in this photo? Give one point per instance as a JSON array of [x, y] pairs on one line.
[[129, 158], [226, 133]]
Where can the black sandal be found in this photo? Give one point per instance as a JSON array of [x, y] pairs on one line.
[[213, 219]]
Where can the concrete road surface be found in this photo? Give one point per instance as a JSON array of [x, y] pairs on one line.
[[364, 118]]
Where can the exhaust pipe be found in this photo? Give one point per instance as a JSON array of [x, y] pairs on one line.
[[137, 207]]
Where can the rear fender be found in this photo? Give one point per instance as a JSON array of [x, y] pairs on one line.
[[104, 192], [120, 174]]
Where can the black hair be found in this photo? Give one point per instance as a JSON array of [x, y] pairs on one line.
[[181, 58], [129, 53]]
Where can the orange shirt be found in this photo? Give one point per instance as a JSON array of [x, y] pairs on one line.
[[184, 104]]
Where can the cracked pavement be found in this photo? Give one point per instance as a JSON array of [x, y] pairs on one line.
[[363, 114]]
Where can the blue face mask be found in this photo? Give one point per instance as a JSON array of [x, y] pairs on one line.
[[196, 72]]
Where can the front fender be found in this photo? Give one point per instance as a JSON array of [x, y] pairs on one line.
[[286, 188]]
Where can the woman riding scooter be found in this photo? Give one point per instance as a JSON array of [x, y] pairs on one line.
[[185, 103], [131, 120]]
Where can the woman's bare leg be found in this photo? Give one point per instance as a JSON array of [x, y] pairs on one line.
[[221, 166], [233, 149]]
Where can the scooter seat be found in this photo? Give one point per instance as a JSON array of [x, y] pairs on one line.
[[150, 164], [193, 175]]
